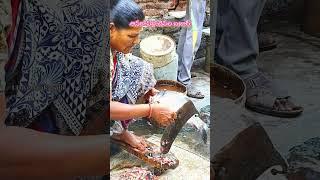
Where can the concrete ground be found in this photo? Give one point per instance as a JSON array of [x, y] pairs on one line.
[[194, 155], [295, 66], [187, 135]]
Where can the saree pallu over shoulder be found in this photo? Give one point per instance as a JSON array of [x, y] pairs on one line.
[[133, 78], [60, 59]]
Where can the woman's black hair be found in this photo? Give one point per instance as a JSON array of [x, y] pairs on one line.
[[125, 11]]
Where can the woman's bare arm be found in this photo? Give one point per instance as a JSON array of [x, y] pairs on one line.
[[121, 111], [28, 153], [160, 113]]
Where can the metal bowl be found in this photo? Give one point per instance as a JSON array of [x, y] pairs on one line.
[[227, 84], [171, 86]]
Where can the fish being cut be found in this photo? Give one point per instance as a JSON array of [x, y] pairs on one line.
[[184, 108], [152, 155]]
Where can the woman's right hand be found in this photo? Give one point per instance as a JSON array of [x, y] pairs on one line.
[[163, 115]]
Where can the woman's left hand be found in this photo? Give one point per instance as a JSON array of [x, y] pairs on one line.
[[150, 93]]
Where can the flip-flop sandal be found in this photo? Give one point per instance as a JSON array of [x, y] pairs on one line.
[[194, 94], [266, 97]]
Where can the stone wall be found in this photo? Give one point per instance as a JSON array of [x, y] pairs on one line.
[[174, 33], [158, 10], [160, 7]]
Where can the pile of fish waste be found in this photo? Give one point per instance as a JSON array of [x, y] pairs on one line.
[[191, 163], [135, 173], [305, 158]]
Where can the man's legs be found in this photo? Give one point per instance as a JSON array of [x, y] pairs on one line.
[[237, 46], [237, 49], [190, 37]]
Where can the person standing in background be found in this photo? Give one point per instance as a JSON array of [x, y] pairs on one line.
[[188, 45], [237, 48]]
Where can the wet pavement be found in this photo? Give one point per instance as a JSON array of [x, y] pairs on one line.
[[188, 147], [188, 135], [295, 66]]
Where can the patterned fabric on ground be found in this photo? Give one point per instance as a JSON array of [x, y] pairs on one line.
[[58, 56]]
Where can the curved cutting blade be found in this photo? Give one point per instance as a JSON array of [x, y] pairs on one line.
[[171, 131]]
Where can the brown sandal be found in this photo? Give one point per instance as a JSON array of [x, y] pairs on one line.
[[263, 97]]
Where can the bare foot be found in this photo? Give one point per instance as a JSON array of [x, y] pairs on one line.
[[131, 139]]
